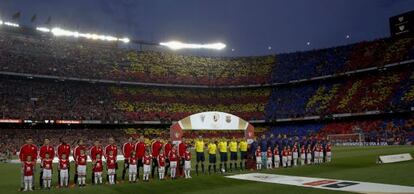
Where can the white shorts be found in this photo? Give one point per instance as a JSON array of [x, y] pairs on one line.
[[81, 170], [132, 169], [28, 178], [161, 169], [284, 159], [258, 160], [187, 165], [321, 154], [173, 164], [277, 158], [302, 156], [64, 173], [289, 158], [111, 171], [269, 160], [328, 154], [98, 174], [316, 154], [295, 155], [147, 168], [47, 174], [309, 156]]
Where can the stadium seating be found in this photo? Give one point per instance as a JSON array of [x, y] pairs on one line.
[[44, 99], [84, 59], [386, 90]]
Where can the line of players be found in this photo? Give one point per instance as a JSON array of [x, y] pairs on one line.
[[136, 154], [294, 156], [156, 156]]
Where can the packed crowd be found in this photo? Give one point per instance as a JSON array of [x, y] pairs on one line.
[[50, 100], [60, 57], [37, 99], [382, 91], [397, 131], [83, 59]]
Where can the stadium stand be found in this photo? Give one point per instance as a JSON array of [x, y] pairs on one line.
[[296, 88], [38, 99]]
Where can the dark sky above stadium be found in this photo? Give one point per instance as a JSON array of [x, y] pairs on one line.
[[248, 26]]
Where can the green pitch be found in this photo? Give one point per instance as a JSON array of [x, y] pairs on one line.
[[356, 164]]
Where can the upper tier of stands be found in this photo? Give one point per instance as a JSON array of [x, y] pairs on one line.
[[46, 55]]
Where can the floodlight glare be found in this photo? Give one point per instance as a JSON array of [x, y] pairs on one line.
[[11, 24], [42, 29], [62, 32], [125, 40], [1, 22], [176, 45]]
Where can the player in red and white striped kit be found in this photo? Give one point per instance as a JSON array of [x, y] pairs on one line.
[[295, 155], [258, 155], [302, 155], [127, 150], [328, 152], [289, 156], [111, 166], [316, 152], [269, 156], [161, 164], [28, 149], [63, 168], [187, 163], [173, 157], [81, 167], [28, 171], [46, 164], [97, 170], [308, 155], [132, 167], [276, 156], [146, 160], [284, 157]]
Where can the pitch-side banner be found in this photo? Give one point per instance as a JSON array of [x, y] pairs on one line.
[[395, 158], [213, 121]]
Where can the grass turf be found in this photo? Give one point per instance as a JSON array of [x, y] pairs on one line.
[[356, 163]]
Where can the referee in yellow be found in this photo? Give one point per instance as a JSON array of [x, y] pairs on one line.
[[212, 152], [233, 153], [243, 153], [199, 148], [223, 154]]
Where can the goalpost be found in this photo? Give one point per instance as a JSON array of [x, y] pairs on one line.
[[350, 139]]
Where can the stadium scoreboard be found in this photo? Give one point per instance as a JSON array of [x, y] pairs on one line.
[[402, 25]]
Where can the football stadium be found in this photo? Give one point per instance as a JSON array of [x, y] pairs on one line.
[[229, 97]]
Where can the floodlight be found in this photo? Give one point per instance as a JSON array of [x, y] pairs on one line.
[[176, 45], [42, 29], [11, 24]]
